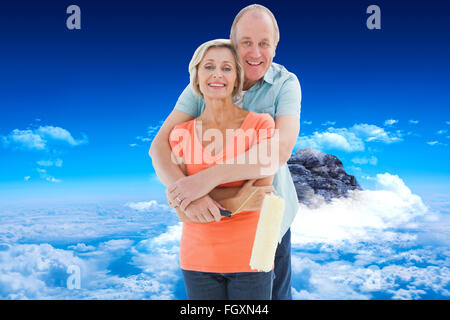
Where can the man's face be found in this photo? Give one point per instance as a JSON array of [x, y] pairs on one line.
[[255, 43]]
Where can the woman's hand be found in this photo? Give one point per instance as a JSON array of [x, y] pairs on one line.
[[187, 189], [255, 202], [203, 210]]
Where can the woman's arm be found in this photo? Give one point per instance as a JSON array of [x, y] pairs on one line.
[[278, 150], [204, 209], [261, 187], [232, 198]]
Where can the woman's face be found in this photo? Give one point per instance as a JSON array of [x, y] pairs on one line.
[[216, 74]]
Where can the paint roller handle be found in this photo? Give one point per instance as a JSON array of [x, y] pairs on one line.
[[225, 213]]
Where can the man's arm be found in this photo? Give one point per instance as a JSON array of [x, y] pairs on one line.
[[288, 129], [287, 121], [167, 171]]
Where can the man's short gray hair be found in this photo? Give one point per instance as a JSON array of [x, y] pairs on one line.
[[200, 53], [260, 8]]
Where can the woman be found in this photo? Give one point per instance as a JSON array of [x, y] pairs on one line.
[[215, 256]]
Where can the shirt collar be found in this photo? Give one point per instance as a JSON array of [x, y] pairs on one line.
[[268, 77]]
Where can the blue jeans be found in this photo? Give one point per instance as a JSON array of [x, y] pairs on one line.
[[228, 286], [282, 281]]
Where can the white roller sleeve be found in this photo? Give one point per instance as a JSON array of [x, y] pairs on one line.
[[267, 233]]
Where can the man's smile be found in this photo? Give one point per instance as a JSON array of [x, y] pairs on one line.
[[253, 63]]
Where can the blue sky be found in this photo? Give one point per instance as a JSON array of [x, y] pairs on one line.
[[79, 107]]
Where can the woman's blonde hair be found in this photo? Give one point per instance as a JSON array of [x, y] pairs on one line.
[[200, 53]]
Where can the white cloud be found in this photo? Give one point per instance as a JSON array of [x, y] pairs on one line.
[[390, 122], [58, 163], [24, 140], [45, 163], [151, 133], [81, 247], [413, 121], [39, 271], [348, 139], [115, 245], [59, 134], [49, 163], [363, 277], [430, 277], [159, 256], [147, 206], [436, 143], [307, 122], [39, 139], [367, 246], [44, 175], [75, 223], [372, 160], [30, 271], [331, 281], [362, 216], [334, 263], [26, 178], [392, 182], [371, 132], [353, 168], [443, 131], [329, 123], [153, 130], [143, 139]]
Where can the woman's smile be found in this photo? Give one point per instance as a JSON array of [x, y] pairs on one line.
[[216, 72], [217, 85]]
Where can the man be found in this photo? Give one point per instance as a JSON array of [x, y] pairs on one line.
[[268, 88]]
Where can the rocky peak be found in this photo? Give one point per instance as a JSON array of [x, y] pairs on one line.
[[318, 173]]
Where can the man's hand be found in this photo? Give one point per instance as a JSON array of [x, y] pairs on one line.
[[187, 189]]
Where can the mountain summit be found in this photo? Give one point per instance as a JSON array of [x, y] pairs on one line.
[[318, 173]]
